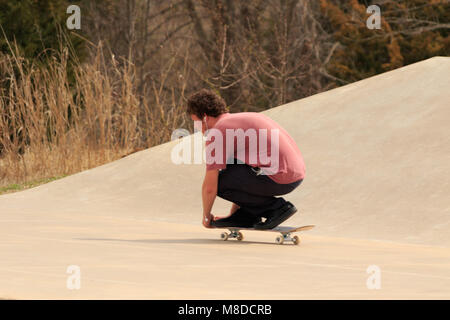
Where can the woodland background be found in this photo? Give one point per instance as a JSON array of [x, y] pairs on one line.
[[75, 99]]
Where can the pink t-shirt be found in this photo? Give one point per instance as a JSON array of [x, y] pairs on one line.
[[258, 141]]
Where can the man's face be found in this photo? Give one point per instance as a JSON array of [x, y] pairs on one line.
[[195, 118]]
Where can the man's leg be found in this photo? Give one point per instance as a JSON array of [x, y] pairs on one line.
[[253, 193], [233, 209]]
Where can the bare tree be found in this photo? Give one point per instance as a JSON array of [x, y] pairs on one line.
[[262, 53]]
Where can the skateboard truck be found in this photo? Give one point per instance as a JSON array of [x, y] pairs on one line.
[[234, 234], [287, 237]]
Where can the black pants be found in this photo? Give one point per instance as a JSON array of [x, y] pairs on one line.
[[240, 183]]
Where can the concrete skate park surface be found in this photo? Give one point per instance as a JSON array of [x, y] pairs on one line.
[[377, 188]]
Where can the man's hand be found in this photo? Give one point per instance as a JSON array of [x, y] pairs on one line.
[[207, 221]]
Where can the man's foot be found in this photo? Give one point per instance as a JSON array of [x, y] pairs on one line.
[[277, 217], [239, 219]]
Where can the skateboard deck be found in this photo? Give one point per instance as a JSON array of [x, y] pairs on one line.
[[285, 233]]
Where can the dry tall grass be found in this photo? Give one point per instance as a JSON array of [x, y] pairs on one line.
[[51, 126]]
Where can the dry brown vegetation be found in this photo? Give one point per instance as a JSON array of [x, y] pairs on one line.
[[52, 126]]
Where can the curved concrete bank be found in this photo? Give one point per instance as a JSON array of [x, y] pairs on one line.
[[378, 165]]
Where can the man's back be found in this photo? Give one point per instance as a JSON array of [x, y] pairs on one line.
[[260, 142]]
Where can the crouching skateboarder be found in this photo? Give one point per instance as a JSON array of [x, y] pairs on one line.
[[250, 161]]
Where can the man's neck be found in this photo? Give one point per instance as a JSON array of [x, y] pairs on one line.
[[214, 120]]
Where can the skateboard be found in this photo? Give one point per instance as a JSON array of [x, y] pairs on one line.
[[285, 232]]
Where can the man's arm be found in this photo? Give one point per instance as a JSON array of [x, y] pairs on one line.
[[209, 193]]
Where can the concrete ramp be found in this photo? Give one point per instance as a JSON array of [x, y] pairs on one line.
[[378, 155], [378, 183]]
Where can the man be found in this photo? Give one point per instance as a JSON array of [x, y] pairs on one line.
[[250, 160]]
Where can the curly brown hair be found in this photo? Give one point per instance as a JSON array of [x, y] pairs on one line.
[[206, 102]]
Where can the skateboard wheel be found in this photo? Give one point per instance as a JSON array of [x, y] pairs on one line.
[[296, 240], [240, 236], [224, 236], [279, 240]]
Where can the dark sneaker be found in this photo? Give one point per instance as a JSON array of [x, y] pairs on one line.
[[240, 218], [277, 217]]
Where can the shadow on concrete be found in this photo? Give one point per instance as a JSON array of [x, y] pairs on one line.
[[176, 241]]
